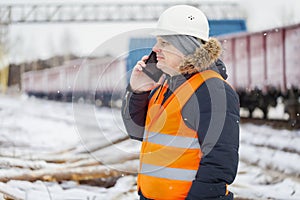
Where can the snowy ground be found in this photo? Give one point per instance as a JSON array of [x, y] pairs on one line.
[[33, 128]]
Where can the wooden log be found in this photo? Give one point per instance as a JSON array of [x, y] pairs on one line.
[[114, 139], [21, 163], [76, 174], [71, 155], [48, 157]]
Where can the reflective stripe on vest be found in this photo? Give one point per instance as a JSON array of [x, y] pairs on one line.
[[173, 141], [169, 173]]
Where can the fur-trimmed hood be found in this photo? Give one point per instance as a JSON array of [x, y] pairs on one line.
[[203, 57]]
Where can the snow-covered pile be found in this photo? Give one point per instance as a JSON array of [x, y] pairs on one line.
[[269, 163], [38, 190], [40, 131]]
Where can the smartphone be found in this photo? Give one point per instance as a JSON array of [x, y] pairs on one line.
[[151, 70]]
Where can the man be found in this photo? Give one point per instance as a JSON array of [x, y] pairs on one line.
[[188, 121]]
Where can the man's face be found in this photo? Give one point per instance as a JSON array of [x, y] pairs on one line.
[[169, 58]]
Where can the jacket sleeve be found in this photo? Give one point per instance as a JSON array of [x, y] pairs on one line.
[[218, 133], [134, 111]]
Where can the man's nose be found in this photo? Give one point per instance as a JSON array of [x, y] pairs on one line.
[[156, 48]]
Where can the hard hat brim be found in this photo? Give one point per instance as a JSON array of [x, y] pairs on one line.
[[158, 32]]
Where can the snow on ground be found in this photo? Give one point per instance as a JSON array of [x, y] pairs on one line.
[[269, 163], [29, 127], [41, 125]]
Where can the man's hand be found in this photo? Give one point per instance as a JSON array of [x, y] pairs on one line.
[[139, 81]]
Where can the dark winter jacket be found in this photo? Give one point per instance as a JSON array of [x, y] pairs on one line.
[[213, 110]]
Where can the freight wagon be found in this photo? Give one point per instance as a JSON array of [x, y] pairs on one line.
[[100, 80], [263, 66]]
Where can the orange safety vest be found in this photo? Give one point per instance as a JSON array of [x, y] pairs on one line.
[[170, 152]]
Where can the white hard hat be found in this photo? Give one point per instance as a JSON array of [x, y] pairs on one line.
[[183, 20]]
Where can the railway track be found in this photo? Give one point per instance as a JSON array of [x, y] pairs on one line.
[[274, 123]]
